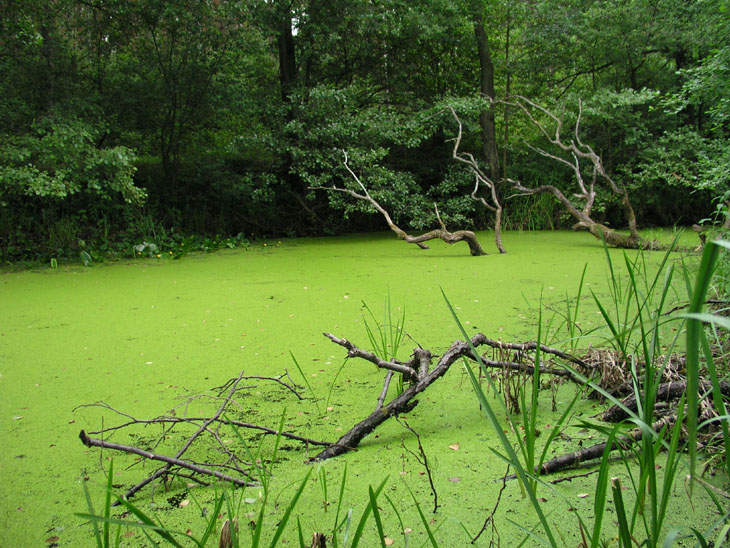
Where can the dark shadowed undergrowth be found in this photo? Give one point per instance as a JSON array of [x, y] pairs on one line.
[[146, 336]]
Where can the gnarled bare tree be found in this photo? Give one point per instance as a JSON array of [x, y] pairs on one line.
[[442, 233], [578, 152], [480, 178]]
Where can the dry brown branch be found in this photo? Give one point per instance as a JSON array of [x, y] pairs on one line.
[[594, 452], [203, 425], [442, 234], [579, 151], [481, 179], [170, 461], [422, 460], [166, 469], [291, 387], [490, 517], [665, 392], [418, 373]]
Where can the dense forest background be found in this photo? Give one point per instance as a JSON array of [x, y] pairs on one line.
[[150, 121]]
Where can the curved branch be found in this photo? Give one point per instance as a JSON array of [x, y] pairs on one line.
[[581, 151], [480, 179], [442, 234]]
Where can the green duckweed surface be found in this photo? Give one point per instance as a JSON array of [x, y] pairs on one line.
[[143, 336]]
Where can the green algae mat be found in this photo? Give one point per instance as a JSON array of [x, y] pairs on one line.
[[146, 337]]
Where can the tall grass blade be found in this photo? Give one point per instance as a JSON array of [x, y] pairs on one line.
[[599, 506], [287, 513], [365, 515], [150, 523], [376, 515], [623, 526], [300, 533], [90, 505], [398, 517], [306, 381], [339, 506], [522, 474], [108, 501], [694, 327], [431, 538]]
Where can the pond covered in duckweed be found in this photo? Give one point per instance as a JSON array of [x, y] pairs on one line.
[[145, 336]]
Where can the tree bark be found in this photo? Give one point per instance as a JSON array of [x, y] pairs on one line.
[[486, 88], [287, 53]]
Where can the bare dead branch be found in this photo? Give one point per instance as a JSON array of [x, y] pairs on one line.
[[596, 451], [418, 372], [665, 392], [384, 392], [481, 179], [423, 461], [578, 150], [208, 425], [475, 248], [165, 469], [490, 517], [170, 461], [531, 346], [408, 370], [274, 379]]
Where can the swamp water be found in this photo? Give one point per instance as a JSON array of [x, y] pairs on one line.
[[144, 336]]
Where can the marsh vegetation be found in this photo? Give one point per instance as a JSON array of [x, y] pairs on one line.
[[464, 463]]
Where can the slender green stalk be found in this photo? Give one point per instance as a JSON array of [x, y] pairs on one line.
[[431, 537], [512, 458], [694, 327], [289, 509], [306, 381], [376, 515], [339, 507], [624, 535], [364, 518]]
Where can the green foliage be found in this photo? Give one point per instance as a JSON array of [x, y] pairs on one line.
[[58, 158], [233, 109]]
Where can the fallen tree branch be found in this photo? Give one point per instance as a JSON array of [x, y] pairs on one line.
[[418, 373], [578, 151], [170, 461], [596, 451], [166, 469], [490, 517], [232, 422], [665, 392], [442, 234], [208, 425], [422, 460], [480, 179]]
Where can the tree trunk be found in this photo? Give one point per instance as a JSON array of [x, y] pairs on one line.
[[486, 87], [287, 54]]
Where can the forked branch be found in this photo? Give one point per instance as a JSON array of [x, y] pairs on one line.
[[442, 233], [578, 152], [481, 179]]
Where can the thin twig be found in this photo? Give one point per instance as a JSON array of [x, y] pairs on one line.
[[423, 460], [170, 461], [490, 517]]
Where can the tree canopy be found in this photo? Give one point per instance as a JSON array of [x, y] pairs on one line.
[[121, 121]]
